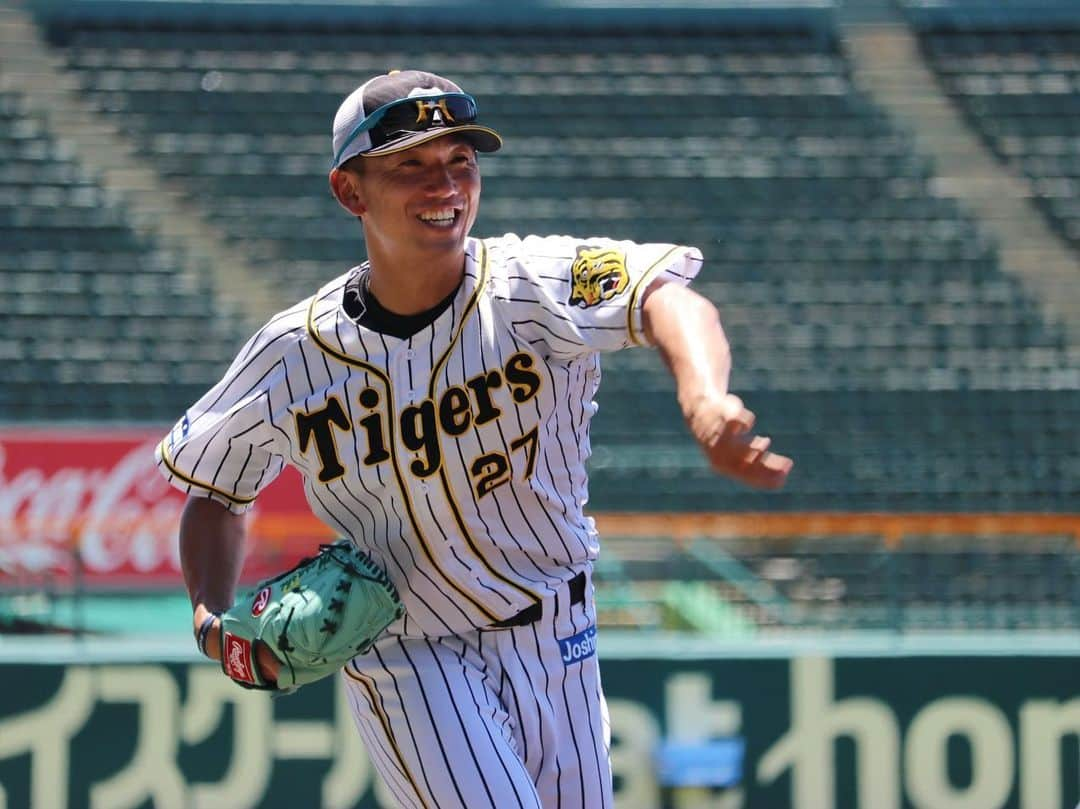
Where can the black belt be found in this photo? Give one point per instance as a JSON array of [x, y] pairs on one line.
[[532, 613]]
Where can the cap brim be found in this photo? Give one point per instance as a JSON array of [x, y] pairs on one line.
[[484, 139]]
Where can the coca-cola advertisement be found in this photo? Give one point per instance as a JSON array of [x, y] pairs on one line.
[[90, 504]]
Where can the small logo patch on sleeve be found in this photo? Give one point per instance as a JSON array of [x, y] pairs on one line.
[[598, 274], [179, 433], [262, 598], [579, 647], [237, 659]]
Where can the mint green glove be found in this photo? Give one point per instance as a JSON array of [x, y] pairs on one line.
[[314, 618]]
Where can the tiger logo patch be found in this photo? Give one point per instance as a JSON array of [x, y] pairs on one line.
[[597, 274]]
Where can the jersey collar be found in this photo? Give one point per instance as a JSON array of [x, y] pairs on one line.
[[335, 333]]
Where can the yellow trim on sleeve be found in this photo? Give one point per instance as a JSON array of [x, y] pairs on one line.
[[232, 498], [640, 287]]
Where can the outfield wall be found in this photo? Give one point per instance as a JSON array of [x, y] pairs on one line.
[[931, 724]]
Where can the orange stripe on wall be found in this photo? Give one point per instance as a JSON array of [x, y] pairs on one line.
[[891, 527]]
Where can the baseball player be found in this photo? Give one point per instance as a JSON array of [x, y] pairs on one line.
[[436, 400]]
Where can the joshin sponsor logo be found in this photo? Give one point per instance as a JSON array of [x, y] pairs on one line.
[[580, 646]]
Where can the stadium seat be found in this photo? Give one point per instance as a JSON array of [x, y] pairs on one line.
[[75, 275], [873, 329], [1020, 89]]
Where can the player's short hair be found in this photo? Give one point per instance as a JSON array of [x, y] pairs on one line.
[[401, 109], [354, 164]]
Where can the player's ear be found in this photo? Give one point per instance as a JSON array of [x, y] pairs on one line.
[[346, 189]]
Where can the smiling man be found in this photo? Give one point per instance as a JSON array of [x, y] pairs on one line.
[[436, 399]]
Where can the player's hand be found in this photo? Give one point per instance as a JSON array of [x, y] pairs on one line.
[[722, 426], [268, 663]]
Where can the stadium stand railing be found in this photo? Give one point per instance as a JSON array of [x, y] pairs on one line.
[[722, 575]]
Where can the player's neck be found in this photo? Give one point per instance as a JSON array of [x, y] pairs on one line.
[[407, 287]]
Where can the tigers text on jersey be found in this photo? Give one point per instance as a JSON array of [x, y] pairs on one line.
[[455, 457]]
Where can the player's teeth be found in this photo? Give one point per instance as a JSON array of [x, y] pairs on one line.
[[439, 216]]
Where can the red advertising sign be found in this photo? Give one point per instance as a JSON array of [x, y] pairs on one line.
[[91, 503]]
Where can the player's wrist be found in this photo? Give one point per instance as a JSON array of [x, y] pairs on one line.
[[204, 638], [698, 394], [702, 409]]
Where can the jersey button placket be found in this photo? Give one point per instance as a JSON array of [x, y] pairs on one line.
[[400, 377]]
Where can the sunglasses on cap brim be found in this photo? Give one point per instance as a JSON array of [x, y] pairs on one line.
[[416, 114]]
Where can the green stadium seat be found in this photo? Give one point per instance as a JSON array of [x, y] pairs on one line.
[[874, 331], [1021, 91]]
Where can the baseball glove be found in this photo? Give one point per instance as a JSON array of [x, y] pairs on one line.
[[314, 618]]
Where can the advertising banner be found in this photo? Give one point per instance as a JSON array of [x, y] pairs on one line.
[[90, 505], [800, 732]]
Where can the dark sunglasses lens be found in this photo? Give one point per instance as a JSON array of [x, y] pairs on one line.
[[421, 114]]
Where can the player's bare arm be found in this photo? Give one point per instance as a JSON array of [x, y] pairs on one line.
[[211, 556], [685, 328]]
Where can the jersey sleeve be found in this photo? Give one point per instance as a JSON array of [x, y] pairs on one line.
[[577, 296], [224, 447]]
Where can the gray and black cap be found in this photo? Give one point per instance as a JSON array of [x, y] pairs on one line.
[[402, 109]]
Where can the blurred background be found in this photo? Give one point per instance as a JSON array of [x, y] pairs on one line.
[[887, 196]]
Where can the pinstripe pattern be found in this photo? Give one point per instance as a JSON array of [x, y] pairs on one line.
[[472, 523], [383, 745], [492, 718], [457, 459]]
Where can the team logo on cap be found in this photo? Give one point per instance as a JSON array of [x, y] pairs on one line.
[[597, 274], [440, 113]]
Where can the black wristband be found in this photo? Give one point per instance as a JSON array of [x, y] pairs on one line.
[[204, 630]]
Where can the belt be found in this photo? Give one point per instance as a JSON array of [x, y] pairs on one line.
[[532, 613]]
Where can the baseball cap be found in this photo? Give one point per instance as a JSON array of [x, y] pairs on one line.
[[401, 109]]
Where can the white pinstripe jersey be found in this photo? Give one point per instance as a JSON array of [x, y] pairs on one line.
[[456, 457]]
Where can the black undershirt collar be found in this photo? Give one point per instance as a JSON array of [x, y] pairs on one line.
[[365, 309]]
